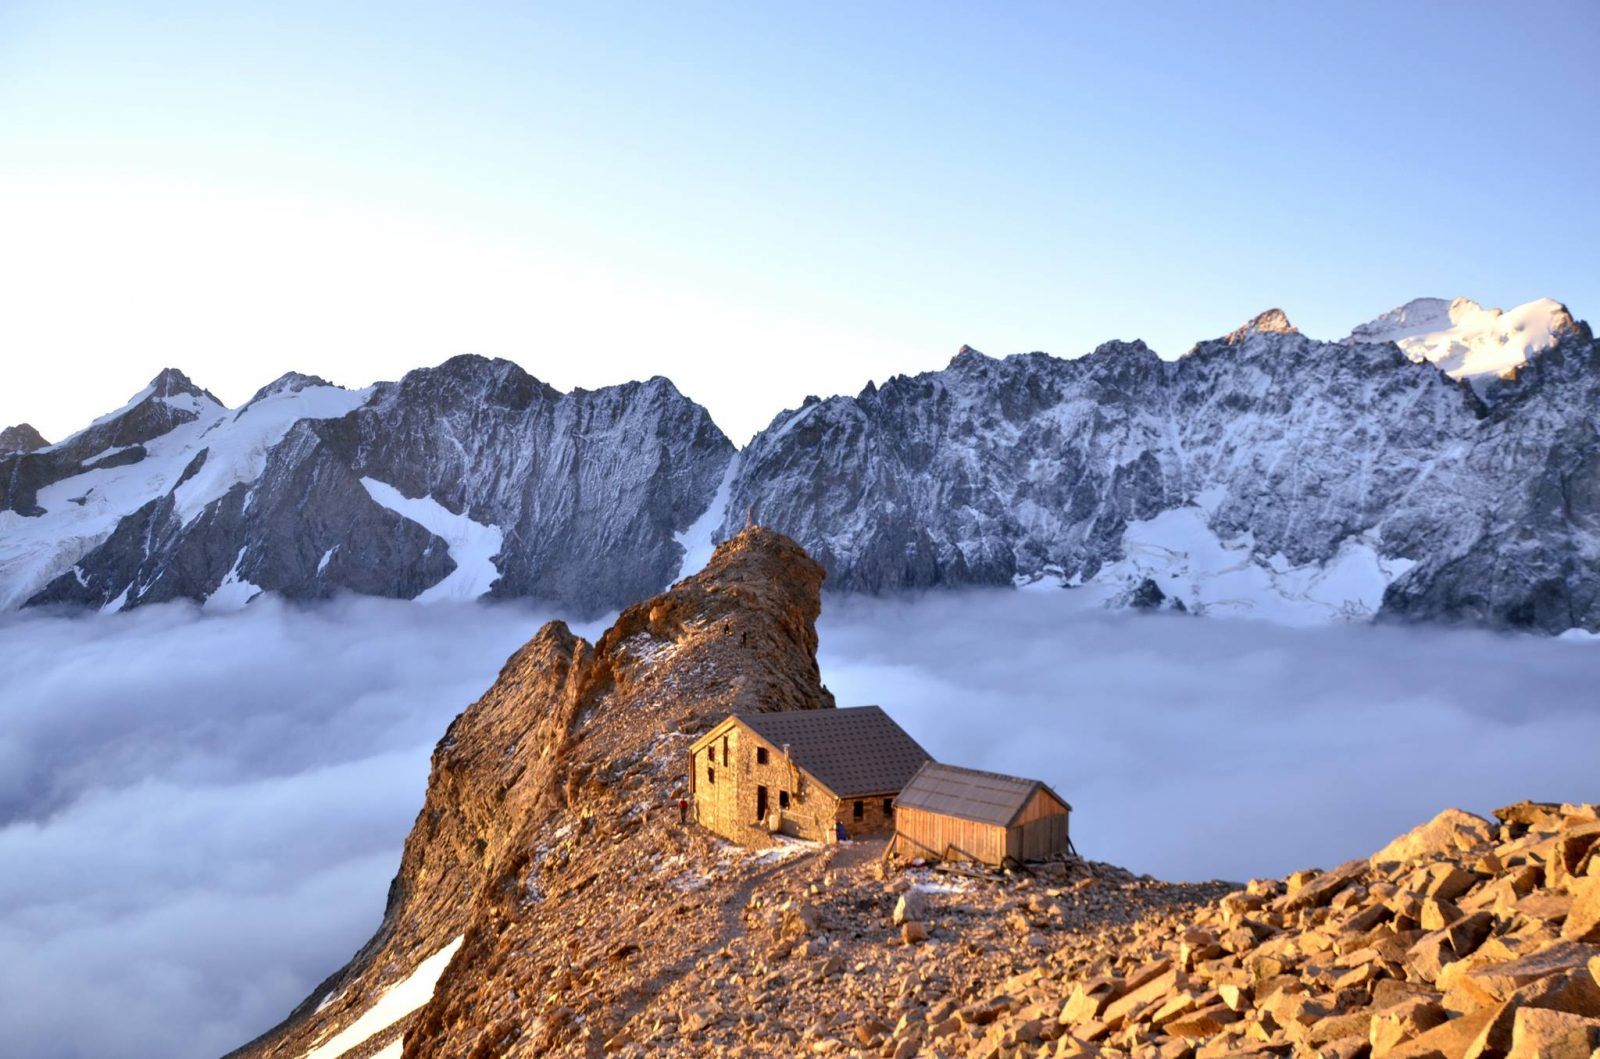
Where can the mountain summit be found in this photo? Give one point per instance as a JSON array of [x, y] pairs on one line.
[[1467, 341], [21, 438], [1271, 322]]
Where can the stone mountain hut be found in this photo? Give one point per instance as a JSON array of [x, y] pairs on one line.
[[801, 772], [948, 812]]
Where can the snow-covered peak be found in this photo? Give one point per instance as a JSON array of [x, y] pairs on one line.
[[1467, 341], [1271, 322], [21, 438], [288, 382]]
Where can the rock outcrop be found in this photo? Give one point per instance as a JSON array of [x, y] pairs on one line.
[[20, 438], [549, 842]]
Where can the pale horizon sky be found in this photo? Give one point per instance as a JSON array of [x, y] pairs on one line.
[[760, 202]]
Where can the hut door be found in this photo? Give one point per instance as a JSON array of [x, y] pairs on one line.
[[761, 804]]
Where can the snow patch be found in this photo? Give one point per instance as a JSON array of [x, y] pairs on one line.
[[234, 591], [392, 1005], [473, 545], [117, 604], [80, 512], [237, 447], [699, 540], [787, 848], [1183, 555]]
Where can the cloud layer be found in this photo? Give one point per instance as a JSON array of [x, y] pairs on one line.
[[1197, 748], [200, 815]]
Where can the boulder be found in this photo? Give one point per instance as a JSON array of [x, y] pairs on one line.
[[1448, 1040], [1400, 1023], [1449, 832], [1583, 918], [1542, 1034], [912, 905], [1500, 980], [1321, 889], [1526, 813]]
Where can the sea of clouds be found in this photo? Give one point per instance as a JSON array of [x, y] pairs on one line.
[[200, 814]]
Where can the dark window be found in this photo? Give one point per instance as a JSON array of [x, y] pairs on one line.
[[724, 750], [860, 810], [761, 755], [711, 773], [783, 799], [888, 808]]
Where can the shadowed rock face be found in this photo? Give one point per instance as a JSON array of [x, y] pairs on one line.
[[551, 802], [585, 489]]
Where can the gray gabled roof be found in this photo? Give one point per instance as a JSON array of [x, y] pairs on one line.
[[986, 797], [852, 751]]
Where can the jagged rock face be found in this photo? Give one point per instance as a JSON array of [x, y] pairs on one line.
[[1532, 558], [1290, 449], [1262, 470], [20, 438], [467, 478], [583, 743]]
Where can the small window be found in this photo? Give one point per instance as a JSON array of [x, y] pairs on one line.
[[783, 799], [860, 810], [711, 773], [888, 808], [724, 750], [761, 755]]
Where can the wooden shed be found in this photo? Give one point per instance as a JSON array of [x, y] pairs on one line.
[[946, 811], [801, 773]]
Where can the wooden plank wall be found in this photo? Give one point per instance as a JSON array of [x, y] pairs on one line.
[[935, 831], [1040, 830]]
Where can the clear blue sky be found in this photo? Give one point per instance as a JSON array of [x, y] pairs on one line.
[[760, 200]]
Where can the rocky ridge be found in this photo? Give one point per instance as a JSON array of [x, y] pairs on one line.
[[466, 479], [552, 903], [576, 916], [1265, 473]]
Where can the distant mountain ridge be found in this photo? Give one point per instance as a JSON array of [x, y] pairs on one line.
[[1440, 463]]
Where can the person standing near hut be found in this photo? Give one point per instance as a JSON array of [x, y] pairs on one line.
[[683, 810]]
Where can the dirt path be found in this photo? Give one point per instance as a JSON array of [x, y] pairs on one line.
[[730, 925], [858, 854]]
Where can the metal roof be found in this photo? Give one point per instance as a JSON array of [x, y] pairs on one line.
[[986, 797], [851, 751]]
